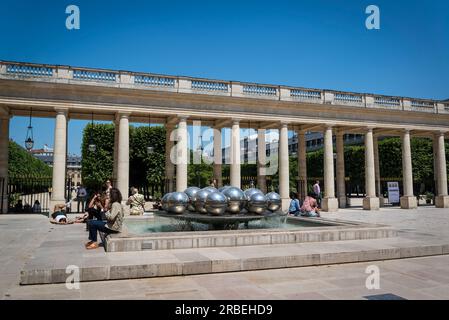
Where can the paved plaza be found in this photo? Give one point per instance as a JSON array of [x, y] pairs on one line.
[[24, 236]]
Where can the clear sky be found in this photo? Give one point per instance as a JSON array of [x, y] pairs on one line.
[[315, 43]]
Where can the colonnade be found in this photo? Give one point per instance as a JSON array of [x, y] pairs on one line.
[[177, 155]]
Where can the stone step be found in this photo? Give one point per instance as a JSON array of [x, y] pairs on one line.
[[176, 262]]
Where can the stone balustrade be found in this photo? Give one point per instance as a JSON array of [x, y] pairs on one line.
[[64, 74]]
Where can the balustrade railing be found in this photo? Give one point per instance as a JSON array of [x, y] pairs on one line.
[[387, 101], [422, 104], [89, 75], [154, 81], [302, 94], [348, 98], [259, 90], [209, 86], [30, 71]]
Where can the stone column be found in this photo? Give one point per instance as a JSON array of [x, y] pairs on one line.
[[408, 200], [442, 200], [59, 158], [302, 161], [235, 154], [170, 158], [261, 161], [377, 170], [182, 156], [329, 203], [341, 183], [370, 202], [284, 175], [435, 162], [217, 157], [116, 135], [4, 146], [123, 155]]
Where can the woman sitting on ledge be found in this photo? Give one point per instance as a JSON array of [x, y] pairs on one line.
[[309, 207], [114, 221]]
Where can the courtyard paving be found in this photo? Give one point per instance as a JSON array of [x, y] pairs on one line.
[[417, 278]]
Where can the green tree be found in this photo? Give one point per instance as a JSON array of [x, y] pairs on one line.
[[22, 163]]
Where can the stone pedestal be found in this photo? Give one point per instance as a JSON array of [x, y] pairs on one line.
[[408, 202], [371, 203], [442, 201], [329, 204]]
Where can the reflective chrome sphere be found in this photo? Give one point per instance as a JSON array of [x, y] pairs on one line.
[[191, 193], [249, 192], [164, 201], [210, 189], [236, 199], [200, 200], [221, 189], [257, 203], [177, 202], [274, 201], [216, 203]]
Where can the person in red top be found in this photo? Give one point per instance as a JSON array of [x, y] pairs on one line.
[[309, 207]]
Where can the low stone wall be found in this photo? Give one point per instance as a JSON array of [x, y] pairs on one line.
[[339, 230]]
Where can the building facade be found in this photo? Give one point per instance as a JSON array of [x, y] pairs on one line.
[[122, 97]]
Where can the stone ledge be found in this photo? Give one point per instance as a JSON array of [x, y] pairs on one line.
[[204, 264]]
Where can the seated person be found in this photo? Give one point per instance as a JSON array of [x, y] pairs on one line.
[[114, 221], [309, 207], [295, 206], [136, 202]]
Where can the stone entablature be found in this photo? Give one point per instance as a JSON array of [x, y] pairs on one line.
[[180, 84]]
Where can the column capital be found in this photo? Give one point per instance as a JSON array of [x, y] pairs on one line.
[[283, 124], [369, 129], [339, 132], [60, 110], [182, 117], [328, 126], [440, 133], [236, 121], [122, 114], [406, 131]]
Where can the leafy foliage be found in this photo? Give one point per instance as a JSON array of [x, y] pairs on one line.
[[22, 163]]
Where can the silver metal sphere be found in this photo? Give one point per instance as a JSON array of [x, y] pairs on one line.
[[177, 202], [236, 199], [164, 201], [257, 203], [210, 189], [191, 193], [274, 201], [216, 203], [200, 201], [249, 192], [221, 189]]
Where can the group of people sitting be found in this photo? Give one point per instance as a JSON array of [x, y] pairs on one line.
[[104, 213], [306, 208]]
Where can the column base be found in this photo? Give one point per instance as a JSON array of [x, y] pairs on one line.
[[381, 202], [329, 204], [408, 202], [442, 201], [371, 203], [342, 202]]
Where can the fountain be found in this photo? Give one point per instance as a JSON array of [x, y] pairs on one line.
[[220, 210]]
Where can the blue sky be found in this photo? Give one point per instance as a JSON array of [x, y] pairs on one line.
[[318, 44]]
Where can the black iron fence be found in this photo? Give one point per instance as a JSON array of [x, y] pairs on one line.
[[27, 194]]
